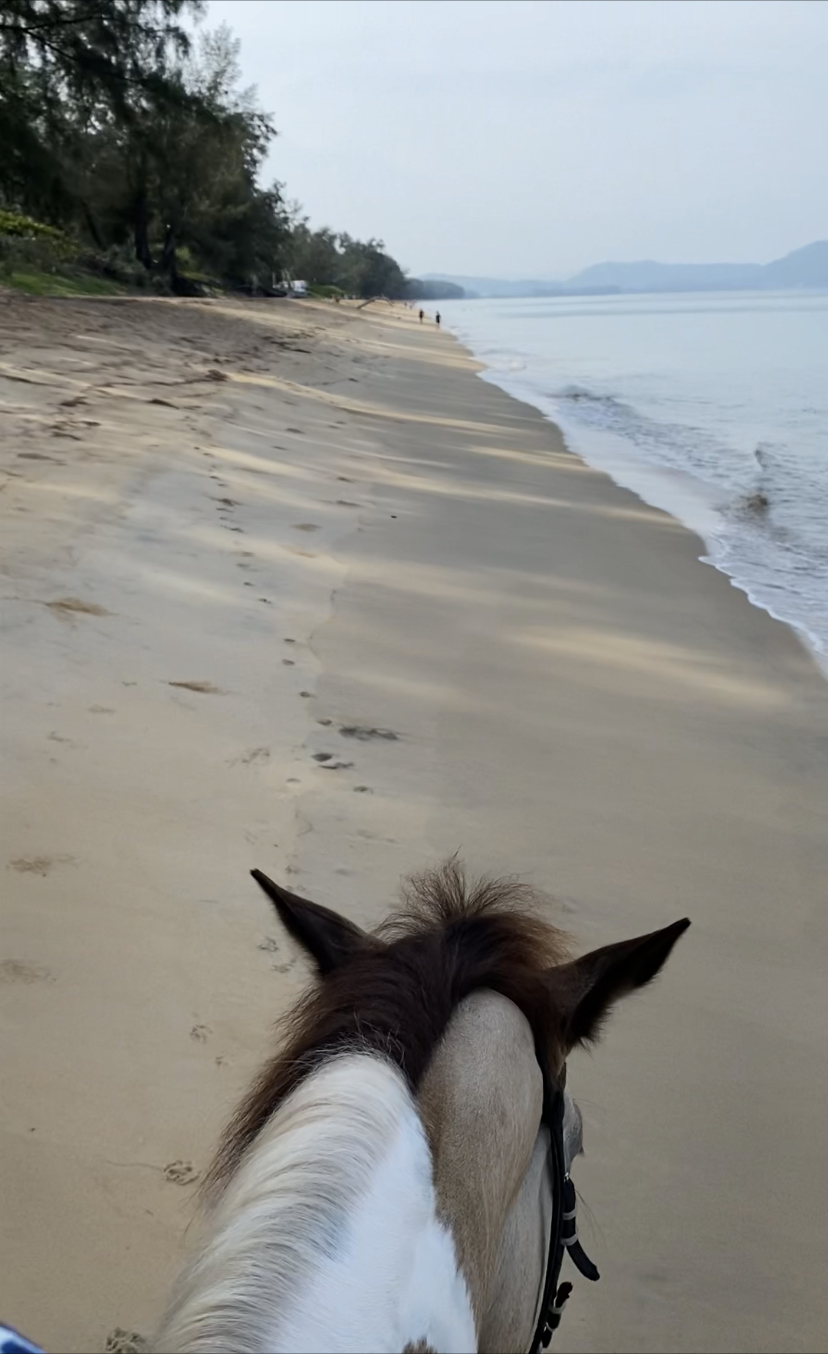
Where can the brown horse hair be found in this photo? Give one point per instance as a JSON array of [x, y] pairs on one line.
[[396, 995]]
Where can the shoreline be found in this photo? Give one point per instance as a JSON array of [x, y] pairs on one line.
[[694, 502], [689, 504], [335, 612]]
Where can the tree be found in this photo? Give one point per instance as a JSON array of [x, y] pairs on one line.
[[206, 151], [368, 271], [118, 129], [69, 68]]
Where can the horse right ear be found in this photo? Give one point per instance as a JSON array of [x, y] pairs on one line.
[[329, 939], [587, 989]]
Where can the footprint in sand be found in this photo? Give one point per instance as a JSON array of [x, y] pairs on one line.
[[253, 757], [363, 790], [295, 430], [180, 1173], [67, 606], [15, 971], [305, 526], [323, 756], [269, 944], [39, 864], [203, 688], [365, 733], [199, 1033], [120, 1341], [288, 663]]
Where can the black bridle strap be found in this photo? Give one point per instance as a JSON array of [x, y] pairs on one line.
[[563, 1233]]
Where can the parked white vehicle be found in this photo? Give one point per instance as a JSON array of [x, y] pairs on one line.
[[298, 288]]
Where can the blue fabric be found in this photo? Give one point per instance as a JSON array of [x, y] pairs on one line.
[[13, 1343]]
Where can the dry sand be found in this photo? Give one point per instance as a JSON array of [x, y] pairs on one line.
[[286, 585]]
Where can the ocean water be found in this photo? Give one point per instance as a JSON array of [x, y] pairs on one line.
[[712, 406]]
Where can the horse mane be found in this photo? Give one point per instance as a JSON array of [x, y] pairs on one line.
[[397, 995]]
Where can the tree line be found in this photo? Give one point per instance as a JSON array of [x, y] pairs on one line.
[[125, 131]]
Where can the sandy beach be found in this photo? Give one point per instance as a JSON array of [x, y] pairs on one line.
[[286, 585]]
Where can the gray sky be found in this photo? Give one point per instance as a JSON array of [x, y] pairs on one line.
[[534, 137]]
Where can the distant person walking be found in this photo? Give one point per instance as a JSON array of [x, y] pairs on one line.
[[422, 316], [437, 317]]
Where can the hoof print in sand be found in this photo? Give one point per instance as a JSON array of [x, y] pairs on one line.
[[199, 1033], [121, 1341], [364, 733], [253, 757], [75, 606], [39, 864], [15, 971], [203, 688], [180, 1173]]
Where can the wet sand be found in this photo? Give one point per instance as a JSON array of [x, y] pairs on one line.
[[287, 585]]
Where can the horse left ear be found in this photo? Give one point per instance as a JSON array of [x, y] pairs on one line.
[[586, 989], [329, 939]]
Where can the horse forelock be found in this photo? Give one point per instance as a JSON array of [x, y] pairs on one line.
[[396, 998]]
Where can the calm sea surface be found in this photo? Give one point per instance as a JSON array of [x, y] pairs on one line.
[[713, 406]]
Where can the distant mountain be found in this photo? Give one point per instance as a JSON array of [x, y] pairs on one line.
[[650, 276], [806, 267], [433, 289], [493, 286]]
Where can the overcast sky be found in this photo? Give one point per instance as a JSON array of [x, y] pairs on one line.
[[534, 137]]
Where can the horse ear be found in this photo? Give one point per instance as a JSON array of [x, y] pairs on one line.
[[329, 939], [586, 989]]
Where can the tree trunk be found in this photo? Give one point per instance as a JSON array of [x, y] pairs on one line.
[[91, 225], [168, 254], [141, 230]]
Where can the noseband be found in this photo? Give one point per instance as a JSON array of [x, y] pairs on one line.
[[563, 1233]]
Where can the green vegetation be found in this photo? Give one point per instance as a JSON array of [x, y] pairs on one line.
[[130, 157], [53, 284]]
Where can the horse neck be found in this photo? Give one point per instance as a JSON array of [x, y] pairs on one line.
[[481, 1101], [327, 1234]]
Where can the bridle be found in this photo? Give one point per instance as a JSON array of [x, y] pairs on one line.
[[563, 1233]]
